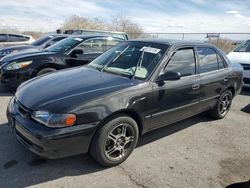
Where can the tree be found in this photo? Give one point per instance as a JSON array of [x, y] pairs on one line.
[[79, 22], [123, 23], [118, 23]]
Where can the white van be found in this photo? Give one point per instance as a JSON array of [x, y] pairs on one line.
[[241, 55]]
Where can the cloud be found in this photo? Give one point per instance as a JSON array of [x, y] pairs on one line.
[[239, 16], [232, 12], [153, 16]]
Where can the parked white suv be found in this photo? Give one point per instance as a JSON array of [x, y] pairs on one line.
[[241, 55], [14, 39]]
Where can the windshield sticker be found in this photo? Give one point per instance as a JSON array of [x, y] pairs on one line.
[[78, 39], [150, 50]]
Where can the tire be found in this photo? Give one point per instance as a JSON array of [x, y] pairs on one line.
[[223, 105], [45, 71], [115, 141]]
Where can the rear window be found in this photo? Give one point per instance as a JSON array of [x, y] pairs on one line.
[[41, 40]]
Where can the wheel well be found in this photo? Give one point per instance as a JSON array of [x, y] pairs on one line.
[[134, 115], [231, 88], [44, 67]]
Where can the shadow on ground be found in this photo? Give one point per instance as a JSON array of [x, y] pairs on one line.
[[6, 91], [17, 163], [240, 185]]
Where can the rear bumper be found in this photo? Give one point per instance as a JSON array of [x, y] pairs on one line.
[[50, 142]]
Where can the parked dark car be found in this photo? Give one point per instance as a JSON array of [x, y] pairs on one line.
[[133, 88], [70, 52], [39, 44]]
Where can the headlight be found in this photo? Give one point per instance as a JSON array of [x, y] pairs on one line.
[[54, 120], [17, 65]]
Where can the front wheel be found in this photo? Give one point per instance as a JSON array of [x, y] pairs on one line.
[[115, 141], [223, 105]]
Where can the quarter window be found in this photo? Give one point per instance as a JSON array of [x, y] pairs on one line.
[[209, 60], [182, 61]]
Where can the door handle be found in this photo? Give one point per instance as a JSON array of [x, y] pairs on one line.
[[195, 86], [225, 79]]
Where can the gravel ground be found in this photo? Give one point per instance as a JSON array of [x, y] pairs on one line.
[[197, 152]]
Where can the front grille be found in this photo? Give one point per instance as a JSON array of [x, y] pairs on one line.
[[246, 80], [246, 66]]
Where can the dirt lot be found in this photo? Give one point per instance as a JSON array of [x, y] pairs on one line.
[[197, 152]]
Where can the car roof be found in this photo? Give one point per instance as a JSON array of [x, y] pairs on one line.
[[57, 35], [172, 42], [92, 36]]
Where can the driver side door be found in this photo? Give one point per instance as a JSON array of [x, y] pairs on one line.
[[177, 99], [90, 48]]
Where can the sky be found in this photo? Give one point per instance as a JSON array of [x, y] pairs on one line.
[[152, 15]]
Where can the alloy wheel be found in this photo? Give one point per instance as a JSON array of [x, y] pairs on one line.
[[119, 142]]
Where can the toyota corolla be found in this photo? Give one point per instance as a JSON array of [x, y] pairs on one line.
[[133, 88]]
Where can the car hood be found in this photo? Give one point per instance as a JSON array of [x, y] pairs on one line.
[[27, 54], [67, 88], [239, 57]]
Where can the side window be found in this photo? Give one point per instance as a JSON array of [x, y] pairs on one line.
[[3, 38], [208, 59], [17, 38], [183, 61], [92, 46], [111, 43]]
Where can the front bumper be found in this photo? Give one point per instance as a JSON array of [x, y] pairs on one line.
[[14, 78], [48, 142]]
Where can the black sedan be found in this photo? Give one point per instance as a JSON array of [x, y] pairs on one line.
[[133, 88], [39, 44], [70, 52]]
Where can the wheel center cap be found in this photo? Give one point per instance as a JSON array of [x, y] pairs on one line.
[[120, 141]]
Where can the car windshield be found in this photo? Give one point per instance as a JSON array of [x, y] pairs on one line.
[[65, 45], [41, 40], [244, 47], [131, 59]]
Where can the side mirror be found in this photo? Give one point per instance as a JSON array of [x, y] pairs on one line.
[[77, 52], [167, 76], [49, 44]]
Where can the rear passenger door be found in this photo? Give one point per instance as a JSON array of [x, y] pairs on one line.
[[214, 76]]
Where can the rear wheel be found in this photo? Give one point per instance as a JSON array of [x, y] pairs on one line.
[[115, 141], [223, 105], [45, 71]]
